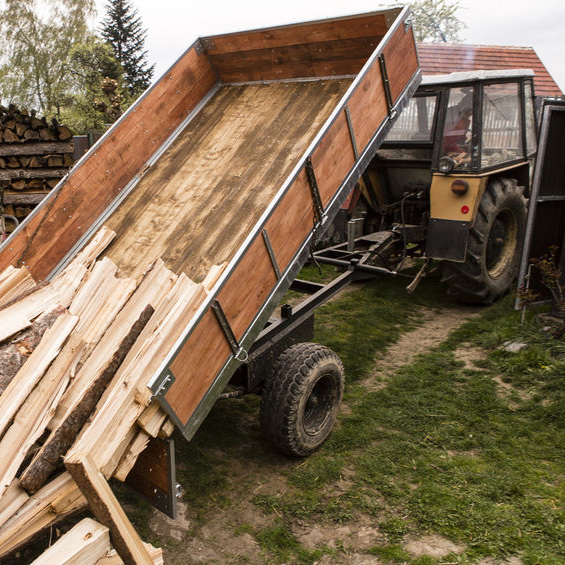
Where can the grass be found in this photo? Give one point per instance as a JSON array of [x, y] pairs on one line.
[[473, 455]]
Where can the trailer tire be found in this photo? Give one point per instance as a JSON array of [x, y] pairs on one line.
[[301, 398], [493, 248]]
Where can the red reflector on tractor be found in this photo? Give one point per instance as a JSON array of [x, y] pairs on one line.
[[464, 209]]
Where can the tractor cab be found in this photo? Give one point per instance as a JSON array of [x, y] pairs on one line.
[[469, 123], [448, 182]]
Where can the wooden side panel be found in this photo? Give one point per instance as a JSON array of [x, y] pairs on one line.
[[316, 32], [88, 191], [295, 209], [248, 287], [401, 60], [368, 106], [335, 58], [197, 365], [328, 48], [333, 158]]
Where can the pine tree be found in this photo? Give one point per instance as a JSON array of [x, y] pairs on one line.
[[122, 29]]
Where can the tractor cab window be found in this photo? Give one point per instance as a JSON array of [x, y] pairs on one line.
[[413, 130], [502, 138], [415, 123], [457, 132]]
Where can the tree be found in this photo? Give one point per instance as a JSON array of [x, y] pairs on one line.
[[96, 95], [436, 21], [123, 31], [36, 39]]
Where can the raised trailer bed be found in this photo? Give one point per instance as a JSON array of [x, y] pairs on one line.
[[241, 154]]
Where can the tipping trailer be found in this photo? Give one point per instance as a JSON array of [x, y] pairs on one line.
[[242, 153]]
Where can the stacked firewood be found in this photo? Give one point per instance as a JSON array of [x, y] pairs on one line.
[[75, 408], [34, 155]]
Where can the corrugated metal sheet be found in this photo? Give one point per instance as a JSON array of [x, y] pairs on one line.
[[441, 58]]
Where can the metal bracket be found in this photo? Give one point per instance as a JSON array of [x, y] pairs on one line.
[[239, 352], [351, 133], [208, 43], [199, 47], [271, 253], [386, 86], [164, 385], [316, 199]]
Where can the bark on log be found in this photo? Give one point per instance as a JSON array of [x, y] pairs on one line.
[[38, 149], [14, 354], [49, 457]]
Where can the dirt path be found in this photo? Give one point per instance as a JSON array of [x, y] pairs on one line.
[[225, 534]]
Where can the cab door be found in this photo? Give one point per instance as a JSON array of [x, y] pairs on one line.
[[545, 226]]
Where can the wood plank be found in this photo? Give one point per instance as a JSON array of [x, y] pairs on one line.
[[107, 509], [213, 276], [93, 185], [22, 384], [167, 429], [12, 500], [374, 24], [401, 60], [305, 60], [368, 107], [152, 419], [129, 459], [18, 315], [220, 176], [333, 159], [84, 544], [14, 282], [54, 502], [204, 350], [247, 289], [294, 210]]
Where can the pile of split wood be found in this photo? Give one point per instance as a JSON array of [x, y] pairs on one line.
[[75, 410], [34, 155]]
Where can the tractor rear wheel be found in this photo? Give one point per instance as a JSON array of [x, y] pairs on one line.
[[301, 398], [493, 248]]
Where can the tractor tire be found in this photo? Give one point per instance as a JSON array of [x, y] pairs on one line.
[[301, 398], [493, 248]]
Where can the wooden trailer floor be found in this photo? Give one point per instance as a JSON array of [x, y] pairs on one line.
[[197, 204]]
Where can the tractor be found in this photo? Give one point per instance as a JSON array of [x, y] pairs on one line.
[[449, 184]]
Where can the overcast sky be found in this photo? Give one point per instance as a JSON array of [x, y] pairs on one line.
[[173, 25]]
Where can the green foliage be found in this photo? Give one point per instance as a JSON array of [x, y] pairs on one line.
[[98, 97], [436, 21], [36, 40], [123, 31]]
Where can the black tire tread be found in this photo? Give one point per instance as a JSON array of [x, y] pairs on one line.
[[282, 391]]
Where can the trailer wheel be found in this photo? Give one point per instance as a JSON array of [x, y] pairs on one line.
[[493, 248], [301, 398]]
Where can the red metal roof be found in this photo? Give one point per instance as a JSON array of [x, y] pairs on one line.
[[443, 58]]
